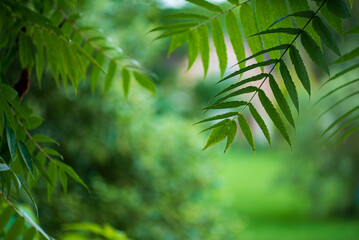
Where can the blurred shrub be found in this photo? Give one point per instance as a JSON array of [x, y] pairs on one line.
[[145, 169], [328, 172]]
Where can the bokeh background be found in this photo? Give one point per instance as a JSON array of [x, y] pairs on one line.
[[142, 158]]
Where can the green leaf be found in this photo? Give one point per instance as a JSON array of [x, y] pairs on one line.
[[145, 82], [291, 31], [44, 138], [33, 122], [68, 170], [314, 52], [218, 117], [250, 67], [192, 47], [224, 105], [235, 36], [280, 47], [34, 224], [112, 66], [289, 84], [300, 6], [126, 81], [264, 19], [351, 3], [325, 35], [249, 89], [334, 21], [204, 47], [53, 152], [279, 8], [282, 102], [246, 130], [88, 56], [187, 16], [30, 196], [40, 166], [273, 114], [207, 5], [8, 92], [242, 82], [95, 72], [248, 21], [217, 135], [176, 41], [234, 2], [300, 68], [338, 8], [16, 227], [175, 26], [52, 171], [25, 51], [260, 123], [303, 14], [220, 45], [172, 33], [63, 180], [221, 123], [348, 56], [353, 30], [232, 132], [40, 64], [26, 156], [11, 141]]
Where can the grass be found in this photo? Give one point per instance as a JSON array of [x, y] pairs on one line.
[[270, 208]]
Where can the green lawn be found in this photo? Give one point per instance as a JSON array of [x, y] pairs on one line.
[[253, 191]]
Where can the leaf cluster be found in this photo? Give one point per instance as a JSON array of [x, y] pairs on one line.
[[271, 30]]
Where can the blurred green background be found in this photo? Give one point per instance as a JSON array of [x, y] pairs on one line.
[[142, 156]]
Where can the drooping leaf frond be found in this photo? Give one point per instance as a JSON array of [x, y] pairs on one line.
[[265, 32]]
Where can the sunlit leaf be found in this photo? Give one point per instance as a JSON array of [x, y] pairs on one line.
[[207, 5], [204, 47], [145, 82], [248, 21], [217, 135], [220, 45], [235, 36]]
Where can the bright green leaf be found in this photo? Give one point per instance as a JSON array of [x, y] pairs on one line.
[[220, 45]]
